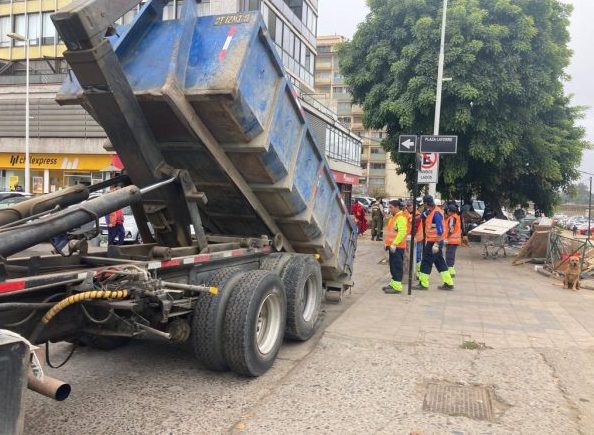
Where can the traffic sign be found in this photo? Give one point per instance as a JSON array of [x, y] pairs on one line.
[[439, 144], [407, 143], [429, 168]]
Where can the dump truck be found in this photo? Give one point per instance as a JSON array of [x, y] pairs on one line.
[[244, 230]]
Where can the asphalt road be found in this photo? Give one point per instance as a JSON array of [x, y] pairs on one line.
[[371, 368]]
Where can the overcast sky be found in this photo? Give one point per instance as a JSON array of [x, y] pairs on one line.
[[342, 16]]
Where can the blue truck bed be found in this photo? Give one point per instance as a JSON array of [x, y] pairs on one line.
[[220, 78]]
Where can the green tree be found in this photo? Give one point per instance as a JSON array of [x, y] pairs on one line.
[[518, 138]]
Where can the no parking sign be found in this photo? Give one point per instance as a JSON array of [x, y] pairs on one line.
[[429, 168]]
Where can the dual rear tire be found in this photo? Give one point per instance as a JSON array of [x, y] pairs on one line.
[[242, 327]]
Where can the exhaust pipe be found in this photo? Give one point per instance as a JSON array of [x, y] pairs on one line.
[[49, 387]]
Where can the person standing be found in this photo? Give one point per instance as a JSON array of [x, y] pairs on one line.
[[433, 234], [115, 228], [377, 220], [395, 242], [360, 219], [453, 236], [416, 227]]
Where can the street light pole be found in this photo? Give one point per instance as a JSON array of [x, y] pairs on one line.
[[433, 186], [25, 39], [27, 118]]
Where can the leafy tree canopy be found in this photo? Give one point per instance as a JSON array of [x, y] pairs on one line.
[[518, 138]]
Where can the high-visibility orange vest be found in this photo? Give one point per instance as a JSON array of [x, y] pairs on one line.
[[419, 233], [391, 231], [408, 221], [431, 229], [454, 229]]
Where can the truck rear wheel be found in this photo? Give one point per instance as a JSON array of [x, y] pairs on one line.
[[208, 319], [302, 278], [254, 322]]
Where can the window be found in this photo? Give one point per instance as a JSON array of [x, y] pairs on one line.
[[20, 27], [279, 32], [48, 32], [250, 5], [343, 106], [168, 11], [376, 151], [4, 30], [34, 28], [378, 166], [286, 38], [324, 49], [264, 9]]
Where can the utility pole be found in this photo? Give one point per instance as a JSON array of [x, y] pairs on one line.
[[432, 186]]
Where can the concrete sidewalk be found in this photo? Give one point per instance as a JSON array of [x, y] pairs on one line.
[[400, 364]]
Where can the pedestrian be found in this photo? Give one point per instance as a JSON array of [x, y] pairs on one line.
[[115, 228], [416, 228], [360, 219], [377, 220], [453, 236], [395, 242], [574, 230], [433, 234]]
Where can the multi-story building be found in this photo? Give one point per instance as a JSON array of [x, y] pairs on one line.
[[70, 135], [379, 176]]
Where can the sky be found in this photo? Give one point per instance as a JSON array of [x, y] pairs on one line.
[[342, 16]]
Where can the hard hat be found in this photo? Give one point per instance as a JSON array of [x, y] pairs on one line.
[[428, 199]]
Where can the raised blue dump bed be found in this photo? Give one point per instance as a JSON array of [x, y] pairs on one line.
[[229, 71]]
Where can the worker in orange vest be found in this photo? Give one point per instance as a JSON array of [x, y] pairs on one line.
[[395, 234], [115, 228], [433, 234], [416, 227], [453, 236]]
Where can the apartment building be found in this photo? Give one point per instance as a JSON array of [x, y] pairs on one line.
[[66, 144], [378, 177]]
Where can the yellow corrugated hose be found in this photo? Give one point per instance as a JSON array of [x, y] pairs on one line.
[[79, 297]]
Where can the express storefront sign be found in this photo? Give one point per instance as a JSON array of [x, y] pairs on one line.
[[81, 162]]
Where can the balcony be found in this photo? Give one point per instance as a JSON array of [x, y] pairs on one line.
[[326, 66], [377, 172], [322, 80]]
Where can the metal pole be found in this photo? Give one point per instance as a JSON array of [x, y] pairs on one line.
[[411, 262], [433, 186], [27, 162], [589, 211]]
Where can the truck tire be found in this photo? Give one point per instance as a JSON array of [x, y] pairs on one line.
[[276, 261], [302, 278], [208, 319], [254, 322]]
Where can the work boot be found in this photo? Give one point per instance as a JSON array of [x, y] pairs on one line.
[[452, 272], [448, 282], [395, 287], [446, 287], [423, 282]]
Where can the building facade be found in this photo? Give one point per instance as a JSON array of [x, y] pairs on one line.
[[70, 135], [379, 176]]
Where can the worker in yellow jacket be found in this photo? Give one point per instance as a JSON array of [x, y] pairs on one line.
[[395, 240]]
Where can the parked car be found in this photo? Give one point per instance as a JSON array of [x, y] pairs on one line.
[[365, 201], [7, 199]]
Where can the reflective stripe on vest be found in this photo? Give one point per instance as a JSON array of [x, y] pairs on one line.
[[431, 229], [391, 231], [454, 235]]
